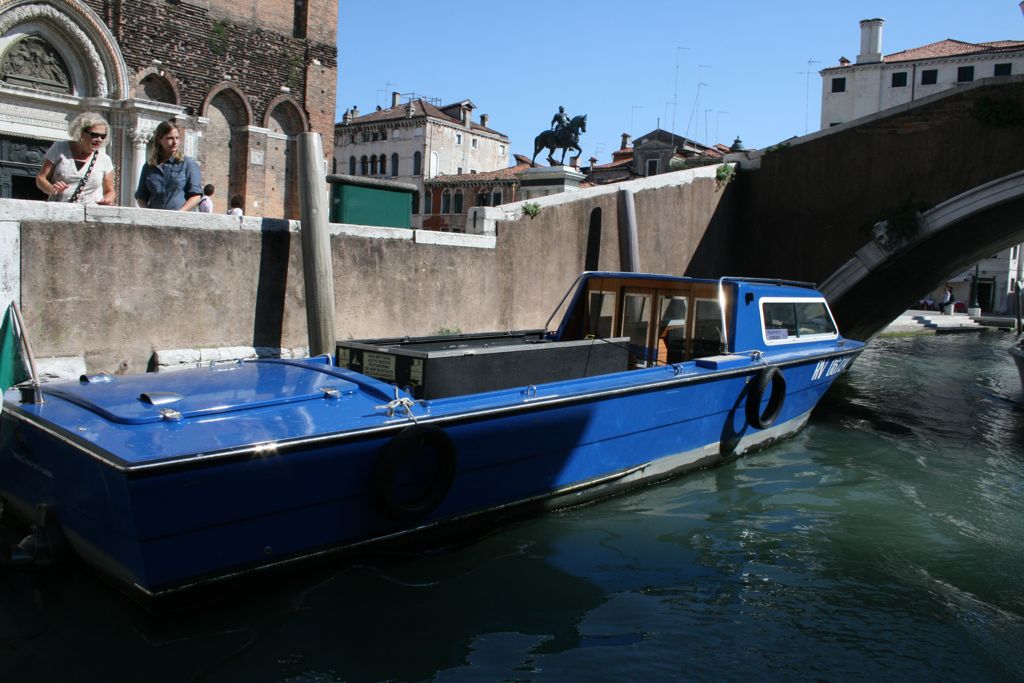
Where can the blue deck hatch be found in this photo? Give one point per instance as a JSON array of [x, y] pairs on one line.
[[141, 399]]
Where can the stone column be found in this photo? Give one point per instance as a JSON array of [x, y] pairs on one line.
[[139, 138]]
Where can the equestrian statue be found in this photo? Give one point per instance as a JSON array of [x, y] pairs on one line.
[[564, 134]]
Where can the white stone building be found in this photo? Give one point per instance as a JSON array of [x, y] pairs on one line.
[[876, 82], [417, 140]]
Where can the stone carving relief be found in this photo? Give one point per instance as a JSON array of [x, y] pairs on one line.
[[32, 62], [96, 74]]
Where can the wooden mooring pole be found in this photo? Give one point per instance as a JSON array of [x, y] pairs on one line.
[[317, 270]]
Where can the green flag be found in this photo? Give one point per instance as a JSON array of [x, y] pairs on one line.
[[12, 364]]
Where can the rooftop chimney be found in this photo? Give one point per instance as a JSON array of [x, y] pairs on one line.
[[625, 141], [870, 41], [395, 98], [484, 118], [355, 111]]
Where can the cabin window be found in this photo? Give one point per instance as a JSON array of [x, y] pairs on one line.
[[636, 322], [600, 313], [672, 329], [790, 320], [707, 328]]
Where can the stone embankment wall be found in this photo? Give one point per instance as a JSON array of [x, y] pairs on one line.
[[113, 286]]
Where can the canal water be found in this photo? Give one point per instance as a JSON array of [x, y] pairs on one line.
[[884, 542]]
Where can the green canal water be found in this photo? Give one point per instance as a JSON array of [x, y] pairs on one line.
[[884, 542]]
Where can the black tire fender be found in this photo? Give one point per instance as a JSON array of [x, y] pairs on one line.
[[771, 379], [406, 445]]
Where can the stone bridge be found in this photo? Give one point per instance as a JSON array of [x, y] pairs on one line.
[[882, 210]]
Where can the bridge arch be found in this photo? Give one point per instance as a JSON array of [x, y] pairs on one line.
[[903, 262]]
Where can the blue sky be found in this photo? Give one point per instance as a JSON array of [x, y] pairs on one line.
[[617, 61]]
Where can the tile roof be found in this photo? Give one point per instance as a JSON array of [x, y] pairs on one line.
[[502, 174], [422, 109], [953, 48]]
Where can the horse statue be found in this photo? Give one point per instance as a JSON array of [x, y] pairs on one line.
[[567, 137]]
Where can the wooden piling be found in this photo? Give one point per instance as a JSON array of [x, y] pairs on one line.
[[317, 269], [629, 249]]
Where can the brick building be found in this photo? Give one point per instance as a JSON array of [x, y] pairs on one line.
[[447, 199], [242, 78]]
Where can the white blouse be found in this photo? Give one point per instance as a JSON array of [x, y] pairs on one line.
[[65, 169]]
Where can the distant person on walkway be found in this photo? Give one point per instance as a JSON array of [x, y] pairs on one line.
[[236, 205], [947, 299], [206, 204], [169, 180], [78, 170]]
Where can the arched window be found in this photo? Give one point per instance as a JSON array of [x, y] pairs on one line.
[[373, 165], [416, 201], [496, 198], [417, 166], [457, 208], [428, 200], [394, 164], [352, 165], [364, 165], [446, 202], [481, 198], [383, 164]]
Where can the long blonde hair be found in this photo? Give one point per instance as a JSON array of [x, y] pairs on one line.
[[153, 154]]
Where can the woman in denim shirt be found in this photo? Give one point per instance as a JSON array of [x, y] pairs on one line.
[[169, 180]]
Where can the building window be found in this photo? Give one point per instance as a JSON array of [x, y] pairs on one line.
[[352, 165], [457, 208], [375, 136], [458, 138], [394, 164], [481, 198], [364, 165], [458, 170], [427, 201], [475, 143], [1002, 69], [652, 167], [396, 134], [839, 85], [383, 135], [383, 164], [501, 149], [373, 165], [446, 202], [899, 79], [496, 198], [417, 166], [352, 139], [965, 74], [365, 137], [415, 202], [929, 77]]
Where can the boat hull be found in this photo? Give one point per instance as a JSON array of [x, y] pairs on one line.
[[159, 529]]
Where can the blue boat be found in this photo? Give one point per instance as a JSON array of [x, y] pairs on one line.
[[165, 482]]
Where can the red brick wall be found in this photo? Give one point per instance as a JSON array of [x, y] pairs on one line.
[[258, 45]]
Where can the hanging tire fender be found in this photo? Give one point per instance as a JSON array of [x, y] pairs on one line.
[[407, 445], [771, 379]]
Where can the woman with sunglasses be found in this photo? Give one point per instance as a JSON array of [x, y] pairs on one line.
[[169, 179], [78, 170]]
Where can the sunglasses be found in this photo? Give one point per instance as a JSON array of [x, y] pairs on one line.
[[96, 136]]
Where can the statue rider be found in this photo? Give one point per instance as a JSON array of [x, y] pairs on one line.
[[560, 120]]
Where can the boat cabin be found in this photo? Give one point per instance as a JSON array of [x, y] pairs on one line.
[[666, 320], [612, 322]]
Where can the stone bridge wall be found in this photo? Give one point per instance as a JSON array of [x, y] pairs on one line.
[[810, 205], [113, 285]]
